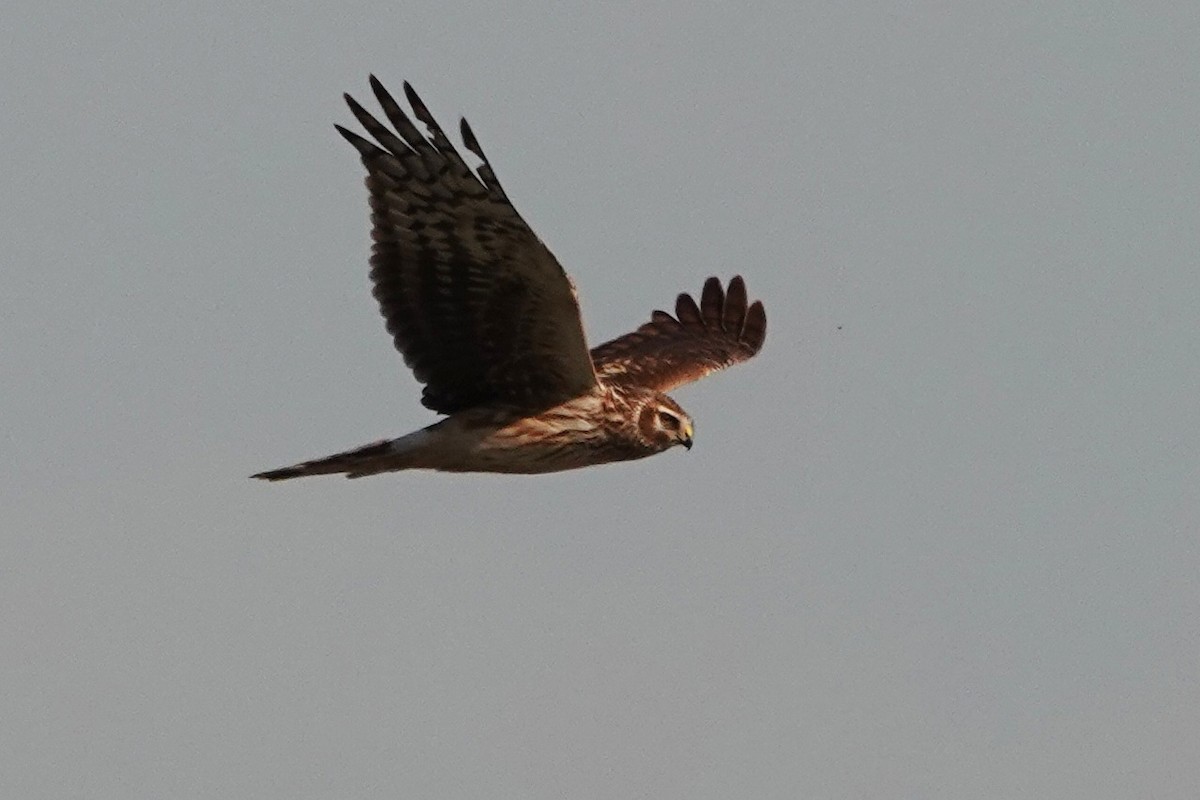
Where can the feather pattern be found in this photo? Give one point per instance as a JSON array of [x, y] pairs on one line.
[[669, 351], [477, 305]]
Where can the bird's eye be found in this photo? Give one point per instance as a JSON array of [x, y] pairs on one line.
[[668, 421]]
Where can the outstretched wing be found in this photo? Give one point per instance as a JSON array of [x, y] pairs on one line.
[[478, 306], [670, 351]]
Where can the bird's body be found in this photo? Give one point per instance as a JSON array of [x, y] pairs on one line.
[[595, 428], [489, 322]]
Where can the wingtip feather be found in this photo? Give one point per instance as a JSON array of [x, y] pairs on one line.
[[687, 311], [712, 303], [754, 330], [418, 106], [734, 313], [468, 137]]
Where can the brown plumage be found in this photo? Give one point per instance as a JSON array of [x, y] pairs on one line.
[[488, 321], [670, 351]]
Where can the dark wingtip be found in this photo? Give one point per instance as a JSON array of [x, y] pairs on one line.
[[381, 93], [357, 109], [733, 314], [364, 118], [468, 137], [754, 332], [712, 303], [365, 148], [414, 100], [686, 310]]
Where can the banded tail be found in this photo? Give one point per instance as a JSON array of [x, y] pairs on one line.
[[382, 456]]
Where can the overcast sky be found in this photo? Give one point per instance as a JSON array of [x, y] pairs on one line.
[[939, 540]]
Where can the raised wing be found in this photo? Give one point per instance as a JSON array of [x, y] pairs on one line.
[[478, 306], [670, 351]]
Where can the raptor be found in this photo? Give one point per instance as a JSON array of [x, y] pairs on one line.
[[489, 322]]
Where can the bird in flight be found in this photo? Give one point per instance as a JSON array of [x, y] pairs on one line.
[[488, 321]]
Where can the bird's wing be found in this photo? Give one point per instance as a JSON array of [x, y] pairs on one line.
[[477, 305], [668, 351]]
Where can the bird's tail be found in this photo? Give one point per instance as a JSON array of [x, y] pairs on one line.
[[383, 456]]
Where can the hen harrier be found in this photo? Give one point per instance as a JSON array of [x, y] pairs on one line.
[[487, 319]]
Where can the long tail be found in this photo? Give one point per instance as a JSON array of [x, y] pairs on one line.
[[381, 456]]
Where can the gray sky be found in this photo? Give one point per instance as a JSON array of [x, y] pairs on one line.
[[938, 541]]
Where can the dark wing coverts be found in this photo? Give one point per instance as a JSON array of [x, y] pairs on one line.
[[669, 351], [478, 306]]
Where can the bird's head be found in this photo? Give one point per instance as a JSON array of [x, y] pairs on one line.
[[663, 424]]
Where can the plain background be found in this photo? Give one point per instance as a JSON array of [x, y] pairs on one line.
[[938, 541]]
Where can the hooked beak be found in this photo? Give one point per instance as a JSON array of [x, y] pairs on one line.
[[685, 435]]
